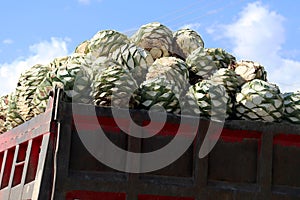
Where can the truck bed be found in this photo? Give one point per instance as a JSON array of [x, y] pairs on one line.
[[44, 158]]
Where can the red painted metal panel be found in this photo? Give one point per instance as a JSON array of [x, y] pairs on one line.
[[89, 195], [154, 197], [287, 140], [33, 160], [108, 124], [8, 168], [229, 135]]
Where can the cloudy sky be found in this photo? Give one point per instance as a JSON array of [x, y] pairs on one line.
[[267, 31]]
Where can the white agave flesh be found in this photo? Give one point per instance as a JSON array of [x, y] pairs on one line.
[[262, 98], [268, 118], [260, 112], [256, 99], [252, 115]]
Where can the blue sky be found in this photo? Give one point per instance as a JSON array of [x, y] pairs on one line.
[[264, 31]]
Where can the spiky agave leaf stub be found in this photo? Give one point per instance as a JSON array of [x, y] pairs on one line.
[[105, 42], [228, 78], [134, 59], [82, 47], [40, 98], [221, 58], [13, 117], [58, 62], [212, 99], [259, 100], [165, 84], [27, 85], [30, 86], [172, 70], [3, 112], [89, 68], [115, 86], [201, 63], [249, 70], [292, 107], [158, 93], [155, 38], [66, 75], [187, 41]]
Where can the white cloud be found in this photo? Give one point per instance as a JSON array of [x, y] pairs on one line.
[[258, 34], [193, 26], [286, 75], [41, 53], [7, 41], [210, 30]]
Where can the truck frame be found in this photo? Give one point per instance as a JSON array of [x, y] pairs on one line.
[[44, 158]]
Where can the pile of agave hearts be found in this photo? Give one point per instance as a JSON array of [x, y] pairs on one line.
[[154, 68]]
